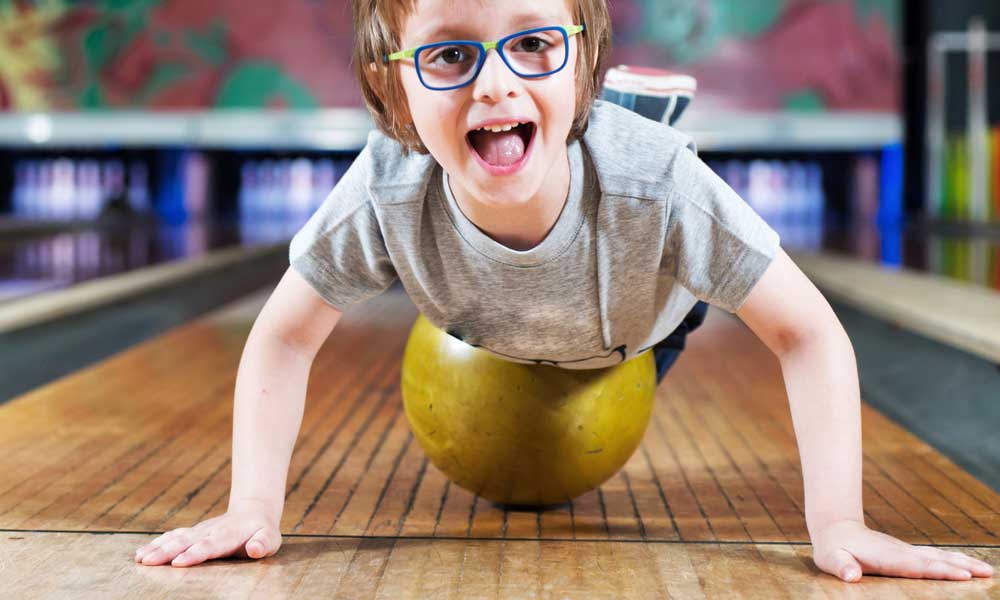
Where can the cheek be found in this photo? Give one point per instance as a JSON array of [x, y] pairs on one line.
[[421, 104], [561, 102], [434, 116]]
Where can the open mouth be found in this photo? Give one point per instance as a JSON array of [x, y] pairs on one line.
[[502, 148]]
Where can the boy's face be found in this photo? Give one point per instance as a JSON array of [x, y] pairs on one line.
[[508, 166]]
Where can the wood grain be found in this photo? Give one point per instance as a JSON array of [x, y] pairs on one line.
[[97, 463], [56, 565]]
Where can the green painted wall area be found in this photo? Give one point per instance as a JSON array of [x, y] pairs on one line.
[[262, 84], [185, 55]]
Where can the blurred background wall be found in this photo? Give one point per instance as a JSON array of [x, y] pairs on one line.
[[819, 113], [769, 55]]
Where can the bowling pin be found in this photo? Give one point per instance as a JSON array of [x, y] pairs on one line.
[[815, 193], [265, 187], [735, 174], [138, 187], [248, 185], [196, 182], [112, 180], [300, 192], [325, 176], [88, 189], [21, 182], [61, 204], [798, 199], [779, 183], [282, 180], [758, 187]]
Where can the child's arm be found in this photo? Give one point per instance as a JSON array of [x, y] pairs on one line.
[[267, 412], [817, 361]]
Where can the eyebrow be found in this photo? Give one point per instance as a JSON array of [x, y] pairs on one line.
[[448, 31]]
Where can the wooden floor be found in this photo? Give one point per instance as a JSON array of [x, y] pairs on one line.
[[96, 464]]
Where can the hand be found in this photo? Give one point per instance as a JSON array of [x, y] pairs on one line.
[[846, 549], [248, 529]]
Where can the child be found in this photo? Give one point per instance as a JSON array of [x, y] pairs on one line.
[[527, 219]]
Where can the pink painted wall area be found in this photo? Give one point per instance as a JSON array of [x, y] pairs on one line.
[[799, 55]]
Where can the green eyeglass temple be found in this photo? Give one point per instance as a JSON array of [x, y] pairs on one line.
[[570, 32]]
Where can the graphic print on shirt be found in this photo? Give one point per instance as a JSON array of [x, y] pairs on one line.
[[621, 351]]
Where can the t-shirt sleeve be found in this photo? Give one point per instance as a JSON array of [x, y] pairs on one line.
[[340, 251], [716, 245]]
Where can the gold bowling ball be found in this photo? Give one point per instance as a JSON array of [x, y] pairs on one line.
[[520, 434]]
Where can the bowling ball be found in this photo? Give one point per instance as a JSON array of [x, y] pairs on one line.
[[522, 434]]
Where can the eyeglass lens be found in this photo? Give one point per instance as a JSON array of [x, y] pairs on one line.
[[529, 55]]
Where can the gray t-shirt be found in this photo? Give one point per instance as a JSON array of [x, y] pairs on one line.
[[647, 231]]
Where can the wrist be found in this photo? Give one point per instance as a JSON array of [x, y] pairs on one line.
[[818, 527], [271, 506]]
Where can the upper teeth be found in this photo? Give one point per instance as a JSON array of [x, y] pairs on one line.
[[502, 127]]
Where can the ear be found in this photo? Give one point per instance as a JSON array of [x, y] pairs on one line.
[[379, 83]]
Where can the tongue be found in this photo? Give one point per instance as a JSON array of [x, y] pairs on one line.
[[498, 149]]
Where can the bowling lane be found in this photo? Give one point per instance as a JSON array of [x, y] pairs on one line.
[[70, 298], [58, 260], [961, 253], [51, 334], [324, 566], [105, 249], [836, 203], [74, 215], [718, 463], [713, 491]]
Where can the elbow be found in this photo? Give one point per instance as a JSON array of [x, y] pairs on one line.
[[284, 342], [830, 335], [787, 341]]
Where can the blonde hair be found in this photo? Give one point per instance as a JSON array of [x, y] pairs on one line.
[[377, 26]]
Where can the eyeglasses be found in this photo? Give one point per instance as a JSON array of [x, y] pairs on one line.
[[456, 63]]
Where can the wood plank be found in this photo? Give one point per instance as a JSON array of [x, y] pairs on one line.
[[100, 565], [960, 314], [709, 505], [86, 295]]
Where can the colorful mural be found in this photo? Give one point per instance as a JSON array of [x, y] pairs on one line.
[[183, 55], [174, 54], [770, 54]]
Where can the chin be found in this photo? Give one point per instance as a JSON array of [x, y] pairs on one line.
[[511, 190]]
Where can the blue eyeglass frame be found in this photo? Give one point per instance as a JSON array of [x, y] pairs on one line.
[[484, 47]]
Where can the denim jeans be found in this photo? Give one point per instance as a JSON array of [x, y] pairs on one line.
[[666, 351]]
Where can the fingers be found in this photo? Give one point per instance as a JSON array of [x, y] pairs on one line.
[[219, 543], [165, 547], [190, 546], [974, 566], [226, 542], [880, 554], [909, 561], [843, 565], [263, 543]]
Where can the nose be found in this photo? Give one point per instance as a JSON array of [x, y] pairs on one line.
[[495, 81]]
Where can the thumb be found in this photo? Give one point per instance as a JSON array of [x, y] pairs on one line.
[[843, 565], [261, 544]]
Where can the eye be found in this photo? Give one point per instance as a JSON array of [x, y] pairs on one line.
[[530, 44], [450, 55]]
